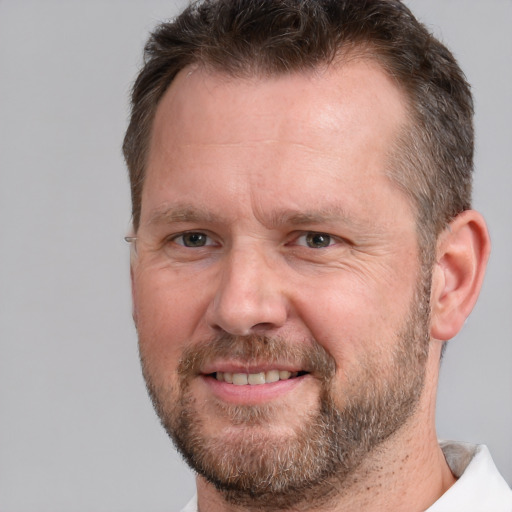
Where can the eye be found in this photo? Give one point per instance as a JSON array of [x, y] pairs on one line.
[[193, 239], [315, 240]]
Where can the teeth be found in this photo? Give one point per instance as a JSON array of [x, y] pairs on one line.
[[240, 379], [272, 376], [254, 379]]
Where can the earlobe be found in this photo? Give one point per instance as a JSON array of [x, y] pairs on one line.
[[462, 253]]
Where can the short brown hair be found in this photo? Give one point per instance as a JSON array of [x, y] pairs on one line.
[[433, 158]]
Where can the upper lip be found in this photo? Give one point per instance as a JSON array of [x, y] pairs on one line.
[[249, 368]]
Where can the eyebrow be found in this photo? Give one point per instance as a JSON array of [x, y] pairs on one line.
[[185, 212], [324, 215]]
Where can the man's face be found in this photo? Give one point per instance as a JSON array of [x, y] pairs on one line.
[[278, 295]]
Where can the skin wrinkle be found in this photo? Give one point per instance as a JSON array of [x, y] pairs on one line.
[[289, 218], [272, 220], [390, 402], [256, 142], [356, 304], [365, 248], [397, 172]]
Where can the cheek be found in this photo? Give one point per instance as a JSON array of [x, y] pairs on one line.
[[353, 319], [167, 317]]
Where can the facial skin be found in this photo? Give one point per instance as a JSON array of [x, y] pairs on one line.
[[271, 239]]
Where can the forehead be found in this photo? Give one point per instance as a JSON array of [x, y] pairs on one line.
[[300, 133], [356, 95]]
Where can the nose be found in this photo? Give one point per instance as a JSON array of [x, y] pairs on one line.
[[249, 298]]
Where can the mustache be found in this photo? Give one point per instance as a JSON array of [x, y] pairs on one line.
[[308, 355]]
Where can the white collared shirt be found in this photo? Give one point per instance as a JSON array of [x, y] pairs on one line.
[[479, 488]]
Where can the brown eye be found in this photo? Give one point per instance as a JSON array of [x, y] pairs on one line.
[[318, 240]]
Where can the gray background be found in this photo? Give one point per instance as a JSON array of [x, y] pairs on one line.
[[77, 432]]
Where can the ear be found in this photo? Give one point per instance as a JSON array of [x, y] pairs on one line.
[[462, 253]]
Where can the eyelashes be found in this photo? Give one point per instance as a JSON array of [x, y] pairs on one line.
[[308, 239], [193, 239], [315, 240]]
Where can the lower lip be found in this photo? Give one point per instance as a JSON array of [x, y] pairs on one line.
[[252, 394]]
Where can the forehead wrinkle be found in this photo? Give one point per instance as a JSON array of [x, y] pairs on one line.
[[253, 143]]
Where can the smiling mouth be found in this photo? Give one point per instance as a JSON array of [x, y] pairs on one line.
[[255, 379]]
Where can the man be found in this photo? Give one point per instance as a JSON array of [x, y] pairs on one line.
[[303, 248]]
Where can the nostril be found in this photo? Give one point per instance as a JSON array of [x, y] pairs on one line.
[[262, 326]]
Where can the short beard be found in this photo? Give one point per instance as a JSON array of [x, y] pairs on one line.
[[256, 469]]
